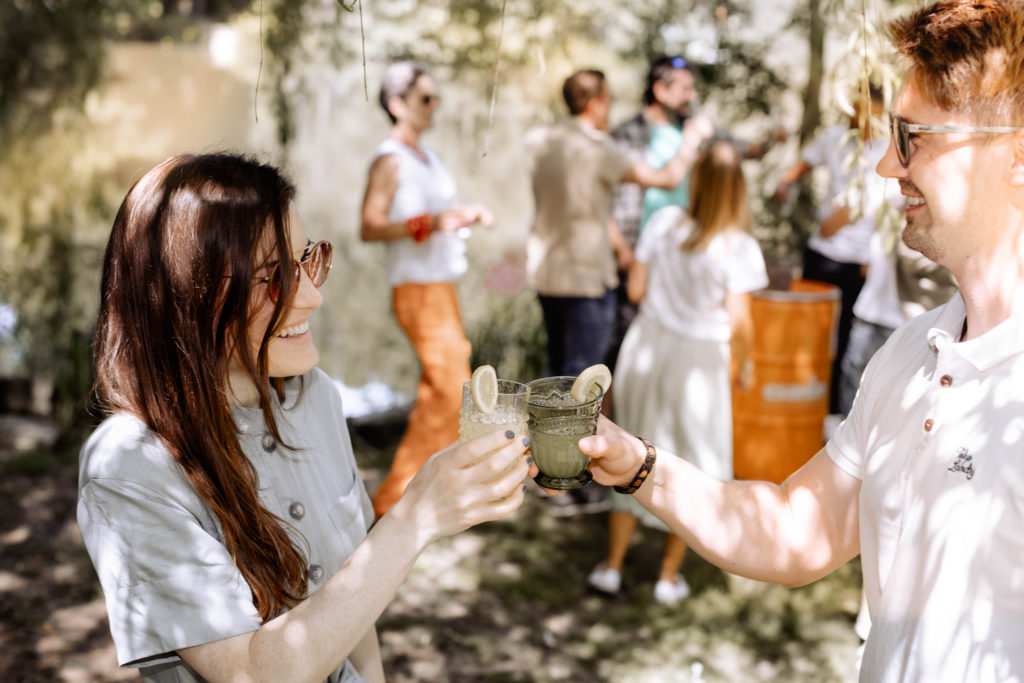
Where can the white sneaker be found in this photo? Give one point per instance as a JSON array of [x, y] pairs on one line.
[[669, 593], [605, 579]]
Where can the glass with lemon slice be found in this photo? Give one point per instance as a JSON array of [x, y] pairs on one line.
[[562, 411], [490, 404]]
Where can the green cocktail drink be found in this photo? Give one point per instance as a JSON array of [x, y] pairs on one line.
[[557, 423]]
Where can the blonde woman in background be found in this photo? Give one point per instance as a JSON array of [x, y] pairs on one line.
[[692, 276]]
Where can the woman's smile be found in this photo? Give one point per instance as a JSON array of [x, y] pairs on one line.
[[301, 329]]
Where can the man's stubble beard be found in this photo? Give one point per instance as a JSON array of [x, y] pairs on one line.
[[918, 238]]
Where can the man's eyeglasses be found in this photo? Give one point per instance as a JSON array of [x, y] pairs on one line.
[[316, 258], [900, 132]]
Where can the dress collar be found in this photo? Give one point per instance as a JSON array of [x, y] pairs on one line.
[[252, 416]]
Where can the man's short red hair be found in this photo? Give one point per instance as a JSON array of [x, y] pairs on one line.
[[967, 56]]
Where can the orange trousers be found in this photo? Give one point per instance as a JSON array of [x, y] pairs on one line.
[[429, 315]]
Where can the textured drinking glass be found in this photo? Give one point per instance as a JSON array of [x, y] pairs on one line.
[[557, 423], [509, 411]]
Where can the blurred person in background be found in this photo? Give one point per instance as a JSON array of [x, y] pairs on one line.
[[839, 249], [411, 205], [654, 135], [692, 277], [575, 167], [570, 252], [220, 501]]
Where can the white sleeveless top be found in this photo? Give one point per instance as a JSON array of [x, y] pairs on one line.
[[423, 187]]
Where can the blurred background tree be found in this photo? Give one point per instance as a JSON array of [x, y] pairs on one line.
[[55, 208], [51, 56]]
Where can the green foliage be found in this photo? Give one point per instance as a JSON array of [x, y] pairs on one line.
[[509, 335], [50, 220], [297, 31], [154, 20], [51, 56], [52, 53], [855, 31], [867, 56], [55, 209]]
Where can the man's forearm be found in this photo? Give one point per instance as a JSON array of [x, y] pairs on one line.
[[782, 534]]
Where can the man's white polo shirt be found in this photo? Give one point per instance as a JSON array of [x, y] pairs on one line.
[[936, 435]]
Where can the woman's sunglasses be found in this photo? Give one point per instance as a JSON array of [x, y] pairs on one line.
[[316, 258], [900, 131]]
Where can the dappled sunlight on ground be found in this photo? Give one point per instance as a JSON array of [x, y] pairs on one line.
[[506, 601], [540, 622]]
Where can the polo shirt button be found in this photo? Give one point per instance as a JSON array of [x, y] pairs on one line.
[[297, 510], [928, 424], [946, 380], [268, 443], [316, 573]]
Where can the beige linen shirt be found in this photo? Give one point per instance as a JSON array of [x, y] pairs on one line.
[[168, 579], [574, 170]]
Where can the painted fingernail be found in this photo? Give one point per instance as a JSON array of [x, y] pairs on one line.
[[526, 440], [529, 460], [510, 434], [524, 488]]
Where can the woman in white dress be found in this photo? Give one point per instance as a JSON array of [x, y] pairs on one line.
[[692, 277]]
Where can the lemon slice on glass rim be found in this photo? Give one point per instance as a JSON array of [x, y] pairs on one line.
[[483, 388], [596, 377]]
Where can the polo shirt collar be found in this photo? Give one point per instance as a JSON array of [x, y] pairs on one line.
[[998, 344]]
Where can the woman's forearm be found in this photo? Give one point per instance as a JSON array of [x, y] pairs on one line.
[[366, 657], [335, 619], [463, 485], [308, 642]]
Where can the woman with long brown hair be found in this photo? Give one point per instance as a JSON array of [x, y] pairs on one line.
[[692, 276], [220, 500]]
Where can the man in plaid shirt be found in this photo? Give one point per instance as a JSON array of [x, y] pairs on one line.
[[669, 99]]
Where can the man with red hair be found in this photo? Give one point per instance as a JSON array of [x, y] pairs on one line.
[[925, 478]]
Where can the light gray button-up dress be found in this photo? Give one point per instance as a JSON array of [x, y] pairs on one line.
[[168, 579]]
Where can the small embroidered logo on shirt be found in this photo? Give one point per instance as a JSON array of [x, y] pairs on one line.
[[962, 464]]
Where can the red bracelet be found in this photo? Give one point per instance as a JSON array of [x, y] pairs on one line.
[[419, 227]]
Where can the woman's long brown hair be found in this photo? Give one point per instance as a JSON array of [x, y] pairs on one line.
[[176, 289], [718, 196]]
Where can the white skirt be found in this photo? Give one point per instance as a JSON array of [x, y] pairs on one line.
[[674, 391]]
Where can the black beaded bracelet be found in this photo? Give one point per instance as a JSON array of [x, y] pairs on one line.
[[641, 474]]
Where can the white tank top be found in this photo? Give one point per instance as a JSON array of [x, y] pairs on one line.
[[423, 187]]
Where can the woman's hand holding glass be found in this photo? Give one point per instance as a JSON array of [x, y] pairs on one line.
[[465, 484]]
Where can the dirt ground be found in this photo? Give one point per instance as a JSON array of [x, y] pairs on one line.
[[503, 602]]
